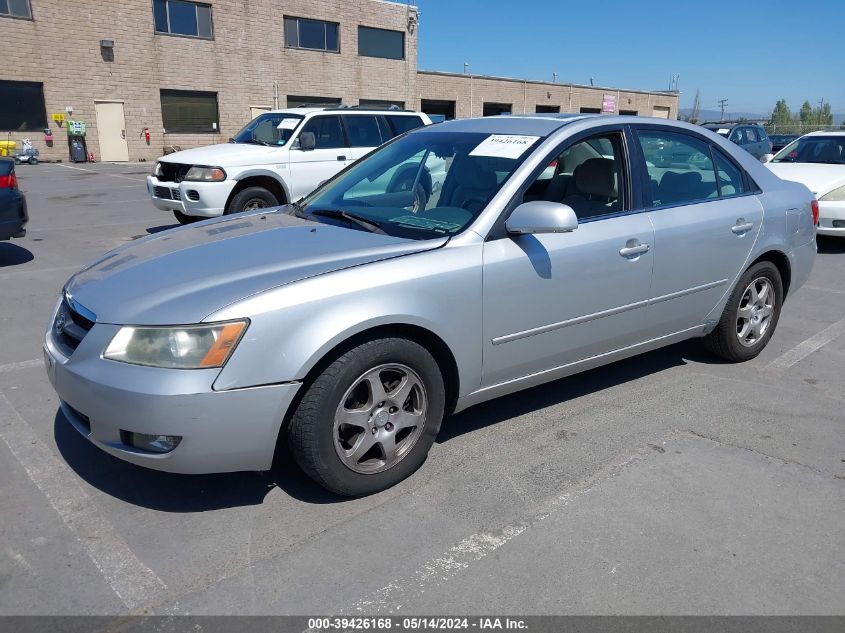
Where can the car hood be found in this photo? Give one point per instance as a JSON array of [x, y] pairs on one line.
[[224, 155], [819, 178], [183, 275]]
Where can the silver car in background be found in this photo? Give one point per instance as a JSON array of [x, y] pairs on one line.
[[347, 325]]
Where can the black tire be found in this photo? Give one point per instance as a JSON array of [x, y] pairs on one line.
[[33, 161], [724, 340], [250, 199], [311, 432], [185, 219]]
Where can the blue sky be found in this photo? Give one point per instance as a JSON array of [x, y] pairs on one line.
[[752, 52]]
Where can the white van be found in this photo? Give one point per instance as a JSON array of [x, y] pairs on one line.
[[277, 158]]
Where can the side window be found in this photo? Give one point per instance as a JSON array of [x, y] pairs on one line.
[[730, 177], [327, 132], [761, 133], [679, 166], [737, 136], [588, 176], [363, 131], [751, 135], [403, 123]]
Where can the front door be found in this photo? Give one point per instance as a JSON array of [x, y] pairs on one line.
[[704, 228], [311, 167], [554, 299], [111, 131]]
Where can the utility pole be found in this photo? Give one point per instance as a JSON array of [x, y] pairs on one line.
[[554, 78], [696, 108], [722, 103]]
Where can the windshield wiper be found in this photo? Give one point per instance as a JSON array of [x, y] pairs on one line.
[[255, 141], [352, 218]]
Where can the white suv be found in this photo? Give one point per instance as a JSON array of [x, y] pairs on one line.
[[277, 158]]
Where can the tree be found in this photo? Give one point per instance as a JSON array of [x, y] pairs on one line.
[[806, 113], [781, 115], [696, 108]]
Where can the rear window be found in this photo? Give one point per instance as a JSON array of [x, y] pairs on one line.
[[403, 123]]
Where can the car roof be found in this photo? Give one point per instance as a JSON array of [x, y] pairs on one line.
[[539, 125], [712, 125], [826, 133], [348, 110]]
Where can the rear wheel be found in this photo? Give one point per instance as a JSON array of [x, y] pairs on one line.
[[251, 199], [750, 316], [368, 421], [185, 219]]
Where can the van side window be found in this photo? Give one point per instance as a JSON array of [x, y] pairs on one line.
[[363, 131], [403, 123], [679, 166], [327, 132]]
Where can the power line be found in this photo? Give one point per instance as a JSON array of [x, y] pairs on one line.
[[722, 104]]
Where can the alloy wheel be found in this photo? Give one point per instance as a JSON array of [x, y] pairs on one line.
[[755, 311]]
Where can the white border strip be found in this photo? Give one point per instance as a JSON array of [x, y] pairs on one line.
[[812, 344]]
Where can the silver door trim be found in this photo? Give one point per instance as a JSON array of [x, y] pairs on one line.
[[507, 338]]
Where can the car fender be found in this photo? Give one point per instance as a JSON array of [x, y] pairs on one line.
[[294, 327], [251, 172]]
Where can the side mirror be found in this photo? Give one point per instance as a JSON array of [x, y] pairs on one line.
[[767, 158], [541, 216], [307, 141]]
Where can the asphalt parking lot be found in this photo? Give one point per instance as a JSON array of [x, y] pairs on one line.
[[668, 483]]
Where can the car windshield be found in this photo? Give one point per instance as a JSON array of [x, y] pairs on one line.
[[423, 185], [813, 149], [271, 128]]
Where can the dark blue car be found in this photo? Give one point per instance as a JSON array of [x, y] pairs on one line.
[[13, 215]]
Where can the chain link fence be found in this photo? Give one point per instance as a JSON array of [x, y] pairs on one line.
[[799, 129]]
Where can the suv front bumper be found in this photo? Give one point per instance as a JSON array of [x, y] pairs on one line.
[[198, 199]]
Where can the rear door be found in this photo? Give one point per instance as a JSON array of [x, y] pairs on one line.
[[704, 227], [331, 153], [364, 133]]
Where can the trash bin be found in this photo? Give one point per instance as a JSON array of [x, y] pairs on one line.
[[77, 150], [7, 148]]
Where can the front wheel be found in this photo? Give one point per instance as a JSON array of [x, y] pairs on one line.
[[750, 316], [368, 421], [251, 199]]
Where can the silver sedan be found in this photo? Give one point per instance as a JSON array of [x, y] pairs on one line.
[[455, 264]]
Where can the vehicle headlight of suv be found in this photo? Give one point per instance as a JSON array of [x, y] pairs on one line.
[[205, 174], [837, 195], [158, 172], [180, 347]]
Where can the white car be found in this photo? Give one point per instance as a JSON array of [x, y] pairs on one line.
[[817, 160], [279, 157]]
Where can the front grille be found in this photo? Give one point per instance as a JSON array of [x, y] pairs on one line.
[[163, 192], [172, 172], [70, 327], [83, 420], [177, 195]]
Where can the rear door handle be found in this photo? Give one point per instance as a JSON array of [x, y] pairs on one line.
[[634, 250], [341, 157], [742, 226]]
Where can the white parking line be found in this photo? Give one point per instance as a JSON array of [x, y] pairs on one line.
[[804, 349], [24, 271], [102, 173], [133, 582], [24, 364]]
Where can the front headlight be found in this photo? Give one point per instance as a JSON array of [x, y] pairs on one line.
[[157, 172], [206, 174], [837, 195], [180, 347]]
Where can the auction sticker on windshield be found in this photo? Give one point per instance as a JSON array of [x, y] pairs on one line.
[[504, 145], [288, 124]]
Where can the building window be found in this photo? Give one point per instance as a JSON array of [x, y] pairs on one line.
[[304, 101], [16, 9], [547, 109], [22, 105], [438, 109], [590, 110], [381, 104], [381, 43], [311, 34], [178, 17], [495, 109], [189, 112], [628, 113]]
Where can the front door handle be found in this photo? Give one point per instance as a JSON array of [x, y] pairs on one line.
[[341, 157], [633, 249], [741, 227]]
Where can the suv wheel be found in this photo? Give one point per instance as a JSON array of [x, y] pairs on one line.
[[368, 421], [250, 199], [750, 316]]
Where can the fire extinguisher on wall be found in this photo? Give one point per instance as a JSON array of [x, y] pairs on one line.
[[147, 135]]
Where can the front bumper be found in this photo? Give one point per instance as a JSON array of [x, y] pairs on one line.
[[198, 199], [830, 212], [222, 431]]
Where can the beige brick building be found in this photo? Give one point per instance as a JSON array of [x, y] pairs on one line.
[[193, 73]]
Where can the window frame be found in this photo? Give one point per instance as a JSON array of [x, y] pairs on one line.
[[294, 142], [631, 198], [348, 135], [186, 92], [285, 19], [375, 28], [750, 186], [193, 37], [11, 16], [36, 128]]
